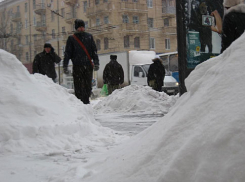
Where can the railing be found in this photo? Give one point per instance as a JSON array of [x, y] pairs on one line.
[[40, 8], [70, 2], [41, 24], [70, 16], [16, 16], [99, 8], [133, 6]]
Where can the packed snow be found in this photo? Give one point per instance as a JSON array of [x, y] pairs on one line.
[[201, 139], [134, 99]]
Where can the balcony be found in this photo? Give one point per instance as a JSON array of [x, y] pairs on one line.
[[16, 17], [170, 30], [102, 29], [133, 7], [169, 11], [41, 26], [100, 9], [40, 9], [134, 28], [39, 43], [70, 18], [71, 2]]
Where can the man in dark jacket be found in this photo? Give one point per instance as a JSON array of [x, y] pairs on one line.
[[44, 62], [234, 22], [156, 74], [113, 74], [81, 58]]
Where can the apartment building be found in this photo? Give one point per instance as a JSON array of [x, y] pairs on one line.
[[116, 25]]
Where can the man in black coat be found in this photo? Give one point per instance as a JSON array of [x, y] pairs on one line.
[[234, 22], [44, 62], [113, 74], [81, 58], [156, 74]]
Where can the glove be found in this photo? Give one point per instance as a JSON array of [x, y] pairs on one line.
[[96, 67], [66, 70]]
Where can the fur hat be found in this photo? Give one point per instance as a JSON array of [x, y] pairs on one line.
[[231, 3], [47, 45], [79, 23], [113, 57]]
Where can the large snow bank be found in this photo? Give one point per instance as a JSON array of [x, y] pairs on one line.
[[136, 98], [201, 139], [37, 115]]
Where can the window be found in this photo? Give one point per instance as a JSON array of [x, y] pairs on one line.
[[86, 24], [136, 42], [126, 41], [27, 39], [167, 44], [11, 29], [35, 53], [171, 3], [85, 4], [149, 3], [63, 12], [135, 19], [53, 33], [26, 8], [12, 45], [27, 56], [152, 43], [63, 30], [137, 71], [18, 9], [34, 21], [98, 44], [135, 1], [125, 18], [26, 23], [19, 40], [150, 22], [106, 20], [97, 22], [35, 37], [166, 22], [34, 4], [97, 2], [106, 43], [52, 16], [124, 0], [105, 1]]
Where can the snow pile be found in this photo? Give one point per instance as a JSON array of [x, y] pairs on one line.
[[37, 115], [136, 98], [201, 139]]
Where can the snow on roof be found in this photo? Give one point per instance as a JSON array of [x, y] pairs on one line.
[[202, 138]]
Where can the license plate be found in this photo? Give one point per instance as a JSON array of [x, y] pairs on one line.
[[170, 90]]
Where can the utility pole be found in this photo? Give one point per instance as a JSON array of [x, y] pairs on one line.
[[58, 42]]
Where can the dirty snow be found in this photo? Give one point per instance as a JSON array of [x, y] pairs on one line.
[[136, 99]]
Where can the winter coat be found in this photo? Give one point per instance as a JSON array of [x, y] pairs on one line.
[[156, 72], [44, 63], [233, 25], [113, 73], [75, 52]]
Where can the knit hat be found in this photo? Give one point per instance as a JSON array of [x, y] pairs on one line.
[[231, 3], [47, 45], [79, 23], [113, 57]]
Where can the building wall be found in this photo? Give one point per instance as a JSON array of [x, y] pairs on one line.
[[30, 24]]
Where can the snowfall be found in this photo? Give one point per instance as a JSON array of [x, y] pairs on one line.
[[133, 135]]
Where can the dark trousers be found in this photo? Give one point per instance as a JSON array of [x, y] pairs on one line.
[[82, 76], [111, 88]]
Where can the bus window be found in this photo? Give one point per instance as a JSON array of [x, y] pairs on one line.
[[165, 61], [173, 59]]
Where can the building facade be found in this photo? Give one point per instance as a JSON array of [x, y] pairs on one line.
[[117, 26]]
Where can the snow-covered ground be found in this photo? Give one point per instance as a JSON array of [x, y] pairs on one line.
[[200, 138]]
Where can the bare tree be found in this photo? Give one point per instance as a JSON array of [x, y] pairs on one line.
[[5, 33]]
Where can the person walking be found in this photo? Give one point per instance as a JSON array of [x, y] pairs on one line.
[[113, 74], [234, 22], [81, 49], [156, 74], [44, 62]]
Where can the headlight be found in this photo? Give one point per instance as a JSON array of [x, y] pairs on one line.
[[177, 84]]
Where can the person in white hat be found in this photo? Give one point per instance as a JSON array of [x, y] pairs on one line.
[[234, 22]]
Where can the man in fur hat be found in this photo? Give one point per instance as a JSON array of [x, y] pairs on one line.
[[156, 74], [113, 74], [234, 22], [44, 62]]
